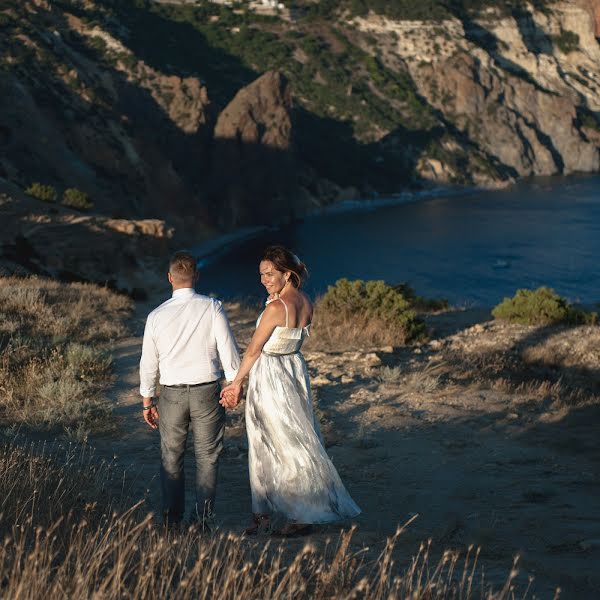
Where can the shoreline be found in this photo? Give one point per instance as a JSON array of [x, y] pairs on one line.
[[398, 199], [500, 268], [219, 245]]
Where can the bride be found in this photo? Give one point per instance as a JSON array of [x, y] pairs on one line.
[[291, 475]]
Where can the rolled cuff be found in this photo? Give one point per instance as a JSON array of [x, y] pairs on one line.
[[148, 392], [231, 375]]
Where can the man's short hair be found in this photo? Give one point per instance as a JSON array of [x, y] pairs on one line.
[[182, 266]]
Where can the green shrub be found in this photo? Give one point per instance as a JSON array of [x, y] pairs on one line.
[[419, 303], [375, 303], [567, 41], [42, 192], [77, 199], [541, 307]]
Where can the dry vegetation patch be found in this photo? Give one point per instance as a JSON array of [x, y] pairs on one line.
[[54, 363], [554, 362]]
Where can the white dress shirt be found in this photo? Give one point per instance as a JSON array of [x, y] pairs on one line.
[[186, 340]]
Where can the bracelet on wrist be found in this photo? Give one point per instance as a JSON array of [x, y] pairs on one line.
[[148, 407]]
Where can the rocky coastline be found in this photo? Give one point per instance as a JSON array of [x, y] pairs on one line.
[[484, 100]]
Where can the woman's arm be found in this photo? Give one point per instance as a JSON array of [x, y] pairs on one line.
[[273, 316]]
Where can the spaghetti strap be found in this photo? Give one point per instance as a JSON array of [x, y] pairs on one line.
[[286, 312]]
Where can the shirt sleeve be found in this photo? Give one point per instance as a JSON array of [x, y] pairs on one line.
[[148, 362], [226, 346]]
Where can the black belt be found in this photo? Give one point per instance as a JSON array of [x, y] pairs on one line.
[[187, 386], [281, 353]]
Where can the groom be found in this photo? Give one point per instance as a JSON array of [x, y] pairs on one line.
[[186, 340]]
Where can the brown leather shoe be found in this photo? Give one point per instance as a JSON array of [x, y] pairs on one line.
[[259, 523]]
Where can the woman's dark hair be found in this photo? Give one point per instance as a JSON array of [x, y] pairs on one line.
[[284, 260]]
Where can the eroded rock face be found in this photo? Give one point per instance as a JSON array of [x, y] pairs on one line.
[[252, 162], [122, 131], [593, 7], [509, 84], [259, 114], [527, 129], [57, 242]]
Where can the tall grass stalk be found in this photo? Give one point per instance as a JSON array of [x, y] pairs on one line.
[[68, 535]]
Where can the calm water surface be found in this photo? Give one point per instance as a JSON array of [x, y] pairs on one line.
[[473, 249]]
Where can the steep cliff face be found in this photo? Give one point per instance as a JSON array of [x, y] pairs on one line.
[[523, 88], [254, 171], [163, 113], [79, 109]]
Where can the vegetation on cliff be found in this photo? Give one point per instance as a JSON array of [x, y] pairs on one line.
[[427, 10], [358, 313], [131, 93], [541, 307]]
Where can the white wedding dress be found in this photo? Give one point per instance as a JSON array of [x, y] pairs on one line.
[[290, 472]]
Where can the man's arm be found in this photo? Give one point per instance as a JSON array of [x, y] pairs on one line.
[[148, 374], [226, 346]]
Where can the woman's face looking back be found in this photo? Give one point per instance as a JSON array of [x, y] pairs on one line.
[[271, 278]]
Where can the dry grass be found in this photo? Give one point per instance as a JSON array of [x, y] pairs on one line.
[[66, 535], [335, 332], [555, 364], [391, 375], [53, 351], [419, 381]]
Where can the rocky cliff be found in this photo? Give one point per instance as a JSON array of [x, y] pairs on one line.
[[523, 88], [127, 255], [185, 113], [79, 109], [254, 174], [71, 119]]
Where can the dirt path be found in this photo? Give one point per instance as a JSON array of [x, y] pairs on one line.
[[479, 466]]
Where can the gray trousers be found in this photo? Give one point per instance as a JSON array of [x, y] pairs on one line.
[[179, 408]]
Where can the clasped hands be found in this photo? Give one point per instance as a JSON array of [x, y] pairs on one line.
[[231, 395]]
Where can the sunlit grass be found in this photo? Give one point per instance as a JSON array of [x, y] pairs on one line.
[[54, 363], [69, 532]]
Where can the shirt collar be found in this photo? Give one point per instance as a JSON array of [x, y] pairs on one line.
[[183, 292]]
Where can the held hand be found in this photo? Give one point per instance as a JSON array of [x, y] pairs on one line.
[[151, 417], [228, 401], [231, 395]]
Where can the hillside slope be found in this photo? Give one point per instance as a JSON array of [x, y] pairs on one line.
[[213, 116]]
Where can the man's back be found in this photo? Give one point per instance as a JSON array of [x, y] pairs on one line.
[[186, 338]]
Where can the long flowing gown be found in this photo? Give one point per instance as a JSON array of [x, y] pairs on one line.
[[291, 474]]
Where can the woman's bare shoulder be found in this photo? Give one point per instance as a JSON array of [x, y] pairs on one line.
[[274, 309], [307, 304], [307, 299]]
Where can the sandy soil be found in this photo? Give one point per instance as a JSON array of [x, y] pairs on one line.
[[414, 432]]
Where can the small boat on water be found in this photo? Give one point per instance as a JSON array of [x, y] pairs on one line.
[[501, 264]]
